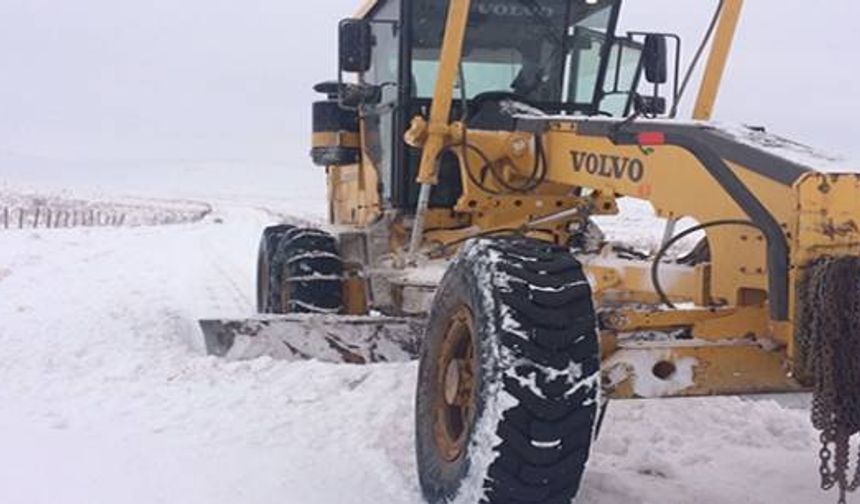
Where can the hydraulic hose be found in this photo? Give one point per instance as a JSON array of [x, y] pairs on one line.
[[693, 64], [655, 266]]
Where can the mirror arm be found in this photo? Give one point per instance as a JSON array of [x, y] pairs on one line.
[[353, 96], [341, 85], [678, 90], [340, 88]]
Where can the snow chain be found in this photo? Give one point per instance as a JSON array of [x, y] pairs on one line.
[[829, 341]]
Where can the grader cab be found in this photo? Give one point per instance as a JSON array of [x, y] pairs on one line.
[[469, 147]]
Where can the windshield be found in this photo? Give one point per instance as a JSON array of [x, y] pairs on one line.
[[542, 50]]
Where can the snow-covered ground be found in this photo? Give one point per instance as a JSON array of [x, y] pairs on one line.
[[106, 395]]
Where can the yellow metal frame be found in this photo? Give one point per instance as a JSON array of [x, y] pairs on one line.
[[722, 46], [438, 130], [733, 345], [365, 8]]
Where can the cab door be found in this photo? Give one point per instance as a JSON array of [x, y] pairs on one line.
[[359, 193], [381, 122]]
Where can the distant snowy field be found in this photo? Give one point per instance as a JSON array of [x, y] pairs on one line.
[[106, 395]]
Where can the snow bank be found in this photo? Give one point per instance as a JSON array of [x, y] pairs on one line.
[[638, 226]]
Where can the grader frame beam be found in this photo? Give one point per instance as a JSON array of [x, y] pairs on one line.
[[752, 266]]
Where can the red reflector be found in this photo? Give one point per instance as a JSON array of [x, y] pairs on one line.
[[652, 138]]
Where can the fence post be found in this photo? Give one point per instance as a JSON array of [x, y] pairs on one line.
[[51, 218]]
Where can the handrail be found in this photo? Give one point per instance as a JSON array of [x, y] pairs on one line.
[[725, 35]]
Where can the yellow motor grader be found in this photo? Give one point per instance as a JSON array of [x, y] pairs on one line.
[[471, 148]]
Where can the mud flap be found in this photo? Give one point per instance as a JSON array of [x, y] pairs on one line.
[[327, 338]]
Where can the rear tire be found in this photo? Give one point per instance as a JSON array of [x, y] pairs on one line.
[[311, 273], [526, 434], [268, 266]]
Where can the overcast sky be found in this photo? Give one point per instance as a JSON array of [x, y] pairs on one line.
[[219, 79]]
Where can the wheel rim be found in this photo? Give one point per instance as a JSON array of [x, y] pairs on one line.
[[454, 400]]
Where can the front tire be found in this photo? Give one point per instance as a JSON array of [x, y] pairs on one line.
[[268, 265], [310, 273], [509, 377]]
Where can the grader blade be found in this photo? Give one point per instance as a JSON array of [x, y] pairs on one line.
[[327, 338]]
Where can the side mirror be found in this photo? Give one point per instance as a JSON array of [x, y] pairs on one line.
[[655, 57], [355, 43]]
